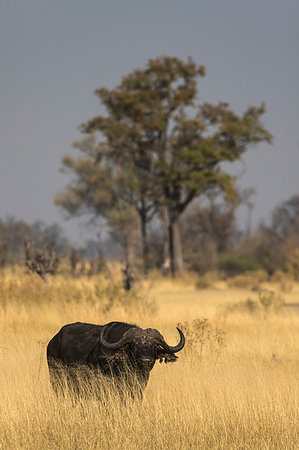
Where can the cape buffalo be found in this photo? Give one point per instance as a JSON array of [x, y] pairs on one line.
[[120, 351]]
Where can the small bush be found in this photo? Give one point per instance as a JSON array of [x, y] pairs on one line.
[[203, 338], [271, 300], [241, 281], [286, 287], [267, 301], [234, 265], [202, 283], [251, 280], [249, 305]]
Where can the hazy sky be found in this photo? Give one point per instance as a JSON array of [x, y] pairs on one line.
[[55, 53]]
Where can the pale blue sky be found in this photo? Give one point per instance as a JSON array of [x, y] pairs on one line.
[[55, 53]]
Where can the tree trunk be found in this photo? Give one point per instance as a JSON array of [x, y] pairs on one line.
[[166, 258], [175, 248], [171, 250], [145, 248]]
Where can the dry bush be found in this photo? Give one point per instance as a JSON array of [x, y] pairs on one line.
[[268, 301], [205, 281], [251, 280], [203, 338], [249, 305], [279, 276], [241, 281], [271, 300], [286, 287], [202, 283]]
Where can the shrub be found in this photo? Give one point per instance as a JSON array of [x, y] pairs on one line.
[[271, 300], [292, 263], [203, 337], [202, 283], [249, 305], [234, 265], [267, 301]]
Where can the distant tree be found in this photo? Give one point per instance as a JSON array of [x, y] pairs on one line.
[[95, 254], [273, 246], [279, 241], [123, 223], [76, 257], [47, 234], [171, 147], [3, 253], [13, 233], [291, 250], [105, 189], [268, 251], [209, 229], [285, 218], [42, 261], [285, 224]]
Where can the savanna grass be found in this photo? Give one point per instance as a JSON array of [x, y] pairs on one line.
[[225, 391]]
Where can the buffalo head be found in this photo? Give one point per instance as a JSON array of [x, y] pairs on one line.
[[143, 347]]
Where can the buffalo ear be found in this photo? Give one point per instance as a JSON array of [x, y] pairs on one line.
[[168, 357]]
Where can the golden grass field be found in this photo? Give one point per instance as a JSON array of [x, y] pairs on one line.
[[226, 391]]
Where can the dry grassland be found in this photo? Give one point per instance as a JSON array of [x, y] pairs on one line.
[[226, 391]]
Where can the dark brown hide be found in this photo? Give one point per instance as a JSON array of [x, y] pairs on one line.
[[120, 351]]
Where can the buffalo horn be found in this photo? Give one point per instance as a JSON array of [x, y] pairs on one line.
[[176, 348], [127, 337]]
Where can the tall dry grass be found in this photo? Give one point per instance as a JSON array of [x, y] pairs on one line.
[[225, 391]]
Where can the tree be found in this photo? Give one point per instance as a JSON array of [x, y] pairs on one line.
[[209, 228], [284, 229], [285, 218], [42, 261], [172, 146], [208, 231], [107, 187], [13, 233]]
